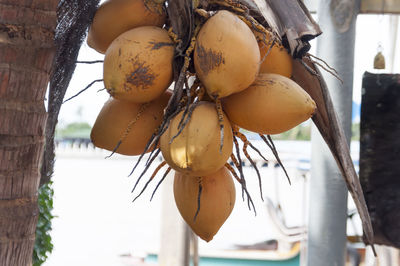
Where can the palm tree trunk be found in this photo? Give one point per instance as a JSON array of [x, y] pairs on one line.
[[26, 56]]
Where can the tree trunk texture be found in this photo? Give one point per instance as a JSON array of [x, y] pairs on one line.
[[379, 152], [26, 57]]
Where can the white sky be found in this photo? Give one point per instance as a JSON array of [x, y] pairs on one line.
[[372, 30]]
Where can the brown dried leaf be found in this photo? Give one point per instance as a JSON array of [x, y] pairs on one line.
[[327, 123]]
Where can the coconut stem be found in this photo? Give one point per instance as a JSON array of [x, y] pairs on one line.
[[240, 168], [173, 35], [326, 64], [90, 62], [159, 183], [155, 5], [247, 143], [220, 121], [233, 172], [308, 68], [158, 169], [200, 93], [232, 5], [198, 198], [271, 44], [189, 115], [255, 168], [146, 168], [142, 108], [243, 138], [241, 179], [189, 93], [326, 67], [87, 87], [182, 79], [150, 179], [203, 13], [271, 145]]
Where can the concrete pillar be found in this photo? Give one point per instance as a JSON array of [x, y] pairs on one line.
[[328, 192]]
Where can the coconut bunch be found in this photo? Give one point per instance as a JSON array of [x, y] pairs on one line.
[[235, 74]]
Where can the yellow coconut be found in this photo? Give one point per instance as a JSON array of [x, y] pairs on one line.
[[271, 105], [226, 56], [217, 200], [114, 17], [138, 64], [196, 150], [115, 122], [278, 60]]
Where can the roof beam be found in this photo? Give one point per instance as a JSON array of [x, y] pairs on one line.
[[367, 6], [380, 7]]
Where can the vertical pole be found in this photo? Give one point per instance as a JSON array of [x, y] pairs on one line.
[[195, 248], [328, 192], [175, 241], [393, 46]]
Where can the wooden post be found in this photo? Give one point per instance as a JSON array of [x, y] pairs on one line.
[[379, 152]]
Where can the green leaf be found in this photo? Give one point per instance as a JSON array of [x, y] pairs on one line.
[[43, 245]]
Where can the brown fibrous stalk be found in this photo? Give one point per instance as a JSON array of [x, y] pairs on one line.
[[238, 163], [151, 178], [247, 143], [151, 159], [233, 172], [161, 180], [84, 89], [220, 113], [198, 198], [243, 138], [271, 145]]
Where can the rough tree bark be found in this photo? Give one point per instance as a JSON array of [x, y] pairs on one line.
[[26, 56]]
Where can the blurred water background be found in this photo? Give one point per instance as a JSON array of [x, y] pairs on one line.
[[97, 223]]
